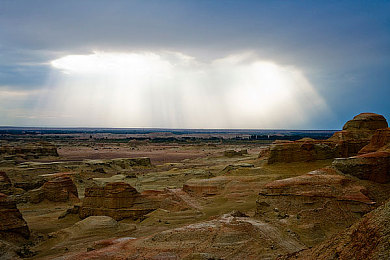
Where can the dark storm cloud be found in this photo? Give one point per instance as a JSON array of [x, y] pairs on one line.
[[342, 46]]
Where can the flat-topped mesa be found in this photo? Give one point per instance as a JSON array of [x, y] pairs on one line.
[[310, 202], [357, 133], [300, 151], [366, 121], [59, 189], [28, 150], [118, 200], [11, 221]]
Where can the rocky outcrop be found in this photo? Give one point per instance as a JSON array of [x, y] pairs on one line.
[[231, 236], [369, 238], [11, 221], [366, 121], [118, 166], [59, 189], [371, 166], [311, 204], [117, 200], [357, 133], [300, 151], [28, 150], [379, 141]]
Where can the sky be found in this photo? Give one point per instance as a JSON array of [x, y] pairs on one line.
[[193, 64]]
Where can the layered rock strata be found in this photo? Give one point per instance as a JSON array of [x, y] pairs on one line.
[[371, 166], [59, 189], [11, 220], [356, 134], [301, 151], [117, 200], [379, 141], [311, 204], [231, 236], [369, 238], [28, 149]]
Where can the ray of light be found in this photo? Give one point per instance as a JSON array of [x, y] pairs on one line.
[[170, 89]]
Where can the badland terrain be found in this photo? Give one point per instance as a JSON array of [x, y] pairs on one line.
[[186, 194]]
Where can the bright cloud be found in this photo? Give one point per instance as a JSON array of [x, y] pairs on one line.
[[170, 89]]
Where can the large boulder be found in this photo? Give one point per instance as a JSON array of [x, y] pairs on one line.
[[59, 189], [118, 200], [311, 204], [371, 166], [369, 238], [11, 221]]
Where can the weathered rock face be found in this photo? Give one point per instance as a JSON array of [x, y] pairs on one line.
[[5, 183], [311, 204], [379, 140], [357, 133], [60, 189], [366, 121], [301, 151], [232, 236], [369, 238], [118, 200], [28, 150], [371, 166], [11, 220]]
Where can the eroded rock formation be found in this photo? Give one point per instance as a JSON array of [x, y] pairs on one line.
[[11, 220], [28, 150], [231, 236], [205, 187], [379, 141], [118, 200], [311, 204], [356, 134], [301, 151], [59, 189], [371, 166], [369, 238]]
